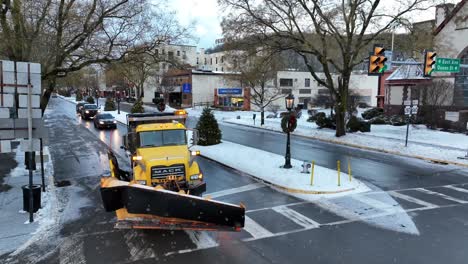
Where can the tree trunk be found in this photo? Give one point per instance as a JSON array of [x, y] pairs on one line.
[[47, 92], [262, 117], [340, 122]]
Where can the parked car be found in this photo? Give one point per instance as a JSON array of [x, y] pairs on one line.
[[89, 111], [129, 99], [105, 120], [54, 95], [79, 105]]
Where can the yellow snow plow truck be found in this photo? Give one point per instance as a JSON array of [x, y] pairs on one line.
[[164, 188]]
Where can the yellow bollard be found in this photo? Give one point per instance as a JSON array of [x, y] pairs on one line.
[[349, 170], [339, 178], [312, 173]]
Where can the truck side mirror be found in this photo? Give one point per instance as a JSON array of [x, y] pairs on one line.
[[194, 137], [124, 142], [132, 142]]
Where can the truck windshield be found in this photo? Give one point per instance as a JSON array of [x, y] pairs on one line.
[[162, 138]]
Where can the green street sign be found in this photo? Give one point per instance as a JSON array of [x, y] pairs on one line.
[[447, 65]]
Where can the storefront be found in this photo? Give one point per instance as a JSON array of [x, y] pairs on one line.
[[232, 98]]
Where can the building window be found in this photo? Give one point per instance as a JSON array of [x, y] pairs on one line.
[[211, 61], [461, 83], [222, 59], [307, 82], [170, 54], [205, 61], [222, 69], [184, 96], [323, 92], [305, 91], [216, 60], [197, 60], [286, 82], [163, 52], [178, 53], [286, 91], [157, 52], [216, 69]]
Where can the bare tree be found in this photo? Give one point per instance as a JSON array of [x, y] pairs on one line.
[[257, 70], [68, 35], [338, 34], [435, 96]]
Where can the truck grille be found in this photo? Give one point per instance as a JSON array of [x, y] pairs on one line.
[[161, 172]]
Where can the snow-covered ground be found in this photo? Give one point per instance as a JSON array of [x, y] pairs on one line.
[[18, 231], [266, 166]]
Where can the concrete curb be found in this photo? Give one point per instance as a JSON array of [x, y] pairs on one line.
[[365, 147], [283, 188]]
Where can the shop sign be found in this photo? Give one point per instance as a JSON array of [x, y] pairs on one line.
[[230, 91]]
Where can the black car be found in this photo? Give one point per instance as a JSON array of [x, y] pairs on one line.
[[89, 111], [79, 105], [105, 120]]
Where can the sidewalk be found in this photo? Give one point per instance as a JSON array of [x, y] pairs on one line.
[[15, 229], [265, 167]]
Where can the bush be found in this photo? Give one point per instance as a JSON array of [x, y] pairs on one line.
[[110, 105], [208, 129], [397, 120], [138, 107], [353, 124], [79, 97], [90, 100], [314, 115], [373, 112], [378, 120], [325, 122]]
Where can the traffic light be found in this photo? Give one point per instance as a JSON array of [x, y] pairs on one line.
[[377, 61], [429, 62]]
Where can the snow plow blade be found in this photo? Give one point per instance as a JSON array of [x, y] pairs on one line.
[[141, 206]]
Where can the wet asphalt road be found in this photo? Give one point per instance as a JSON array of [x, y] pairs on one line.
[[417, 212]]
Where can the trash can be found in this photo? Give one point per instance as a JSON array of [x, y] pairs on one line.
[[36, 189]]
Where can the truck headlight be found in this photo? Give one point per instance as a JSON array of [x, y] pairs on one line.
[[134, 158], [195, 153], [142, 182], [196, 177]]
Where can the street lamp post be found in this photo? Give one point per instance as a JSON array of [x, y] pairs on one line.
[[289, 100]]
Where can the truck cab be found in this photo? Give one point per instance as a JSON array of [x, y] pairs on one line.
[[160, 155]]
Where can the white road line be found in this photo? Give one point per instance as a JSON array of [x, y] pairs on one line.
[[296, 217], [389, 208], [446, 197], [256, 230], [412, 199], [200, 238], [456, 188], [244, 188]]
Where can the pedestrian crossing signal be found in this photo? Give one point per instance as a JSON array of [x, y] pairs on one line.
[[377, 61], [429, 62]]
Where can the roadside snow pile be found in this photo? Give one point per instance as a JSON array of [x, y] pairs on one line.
[[266, 166], [423, 142]]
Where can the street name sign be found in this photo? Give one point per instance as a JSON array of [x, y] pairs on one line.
[[447, 65]]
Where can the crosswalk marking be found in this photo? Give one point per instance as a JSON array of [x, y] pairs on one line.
[[446, 197], [411, 199], [456, 188], [256, 230], [378, 204], [244, 188], [296, 217]]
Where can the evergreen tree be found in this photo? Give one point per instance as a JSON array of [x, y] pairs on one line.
[[138, 107], [208, 129], [110, 105], [90, 100]]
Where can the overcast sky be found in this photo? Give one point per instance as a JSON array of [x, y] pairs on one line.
[[204, 15]]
